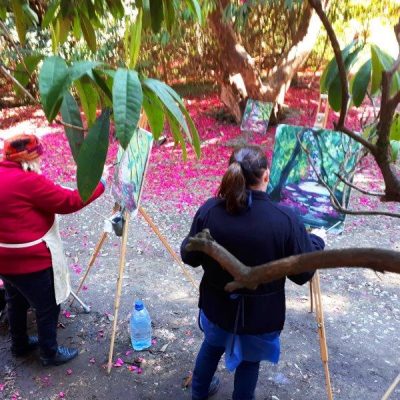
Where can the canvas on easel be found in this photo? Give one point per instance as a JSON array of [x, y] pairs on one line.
[[301, 157], [256, 116], [130, 170]]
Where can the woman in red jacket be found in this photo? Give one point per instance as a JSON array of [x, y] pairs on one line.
[[32, 263]]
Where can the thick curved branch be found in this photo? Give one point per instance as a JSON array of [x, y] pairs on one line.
[[251, 277]]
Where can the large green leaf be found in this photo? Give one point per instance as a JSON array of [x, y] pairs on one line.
[[50, 13], [127, 102], [194, 138], [395, 128], [54, 81], [160, 90], [88, 97], [154, 111], [169, 12], [80, 68], [71, 115], [331, 71], [157, 15], [92, 156], [104, 84], [194, 7], [176, 133], [360, 83], [145, 6], [20, 21], [394, 147], [382, 61], [335, 95], [88, 32], [22, 74], [135, 40]]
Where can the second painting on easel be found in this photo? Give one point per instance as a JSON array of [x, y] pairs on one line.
[[131, 169], [303, 156], [256, 116]]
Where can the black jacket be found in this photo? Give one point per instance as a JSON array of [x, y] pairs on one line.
[[263, 232]]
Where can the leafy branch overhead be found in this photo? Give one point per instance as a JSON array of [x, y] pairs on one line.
[[120, 93]]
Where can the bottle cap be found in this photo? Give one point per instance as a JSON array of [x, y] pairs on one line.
[[139, 305]]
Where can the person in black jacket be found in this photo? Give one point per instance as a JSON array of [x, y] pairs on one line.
[[246, 324]]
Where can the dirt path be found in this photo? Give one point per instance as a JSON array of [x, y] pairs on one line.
[[362, 316]]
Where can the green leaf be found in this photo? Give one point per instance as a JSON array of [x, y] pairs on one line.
[[20, 22], [169, 12], [194, 7], [335, 95], [135, 40], [157, 15], [394, 147], [22, 74], [30, 14], [53, 83], [332, 71], [63, 26], [194, 139], [50, 13], [116, 8], [395, 128], [103, 84], [154, 110], [89, 99], [176, 133], [76, 28], [3, 13], [127, 102], [361, 82], [71, 115], [146, 18], [80, 68], [382, 61], [159, 89], [92, 156], [88, 32]]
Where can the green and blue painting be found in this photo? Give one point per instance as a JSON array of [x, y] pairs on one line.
[[256, 116], [131, 169], [301, 158]]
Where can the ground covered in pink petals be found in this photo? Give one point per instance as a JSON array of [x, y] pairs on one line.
[[180, 183]]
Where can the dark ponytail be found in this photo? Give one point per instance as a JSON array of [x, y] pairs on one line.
[[246, 167]]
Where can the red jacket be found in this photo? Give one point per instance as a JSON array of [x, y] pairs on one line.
[[28, 204]]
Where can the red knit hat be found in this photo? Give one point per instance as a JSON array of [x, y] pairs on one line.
[[21, 148]]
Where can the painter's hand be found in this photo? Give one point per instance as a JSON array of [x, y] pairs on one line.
[[320, 233]]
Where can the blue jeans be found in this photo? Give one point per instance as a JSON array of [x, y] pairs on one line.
[[246, 374], [34, 290]]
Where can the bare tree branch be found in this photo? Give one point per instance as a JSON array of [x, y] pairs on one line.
[[251, 277], [345, 181], [335, 202], [7, 74]]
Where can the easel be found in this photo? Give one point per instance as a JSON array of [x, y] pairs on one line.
[[122, 260], [315, 288]]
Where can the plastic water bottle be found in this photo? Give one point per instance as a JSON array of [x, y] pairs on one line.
[[140, 327]]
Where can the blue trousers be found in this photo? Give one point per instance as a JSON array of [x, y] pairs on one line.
[[246, 374], [34, 290]]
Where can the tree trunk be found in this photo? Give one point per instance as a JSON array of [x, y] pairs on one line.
[[234, 58]]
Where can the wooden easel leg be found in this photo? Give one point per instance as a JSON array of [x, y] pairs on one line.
[[97, 249], [321, 331], [119, 288], [311, 297], [167, 246], [391, 388]]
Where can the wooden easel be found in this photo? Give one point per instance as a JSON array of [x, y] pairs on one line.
[[315, 288], [122, 260]]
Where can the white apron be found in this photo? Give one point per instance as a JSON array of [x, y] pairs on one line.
[[52, 238]]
